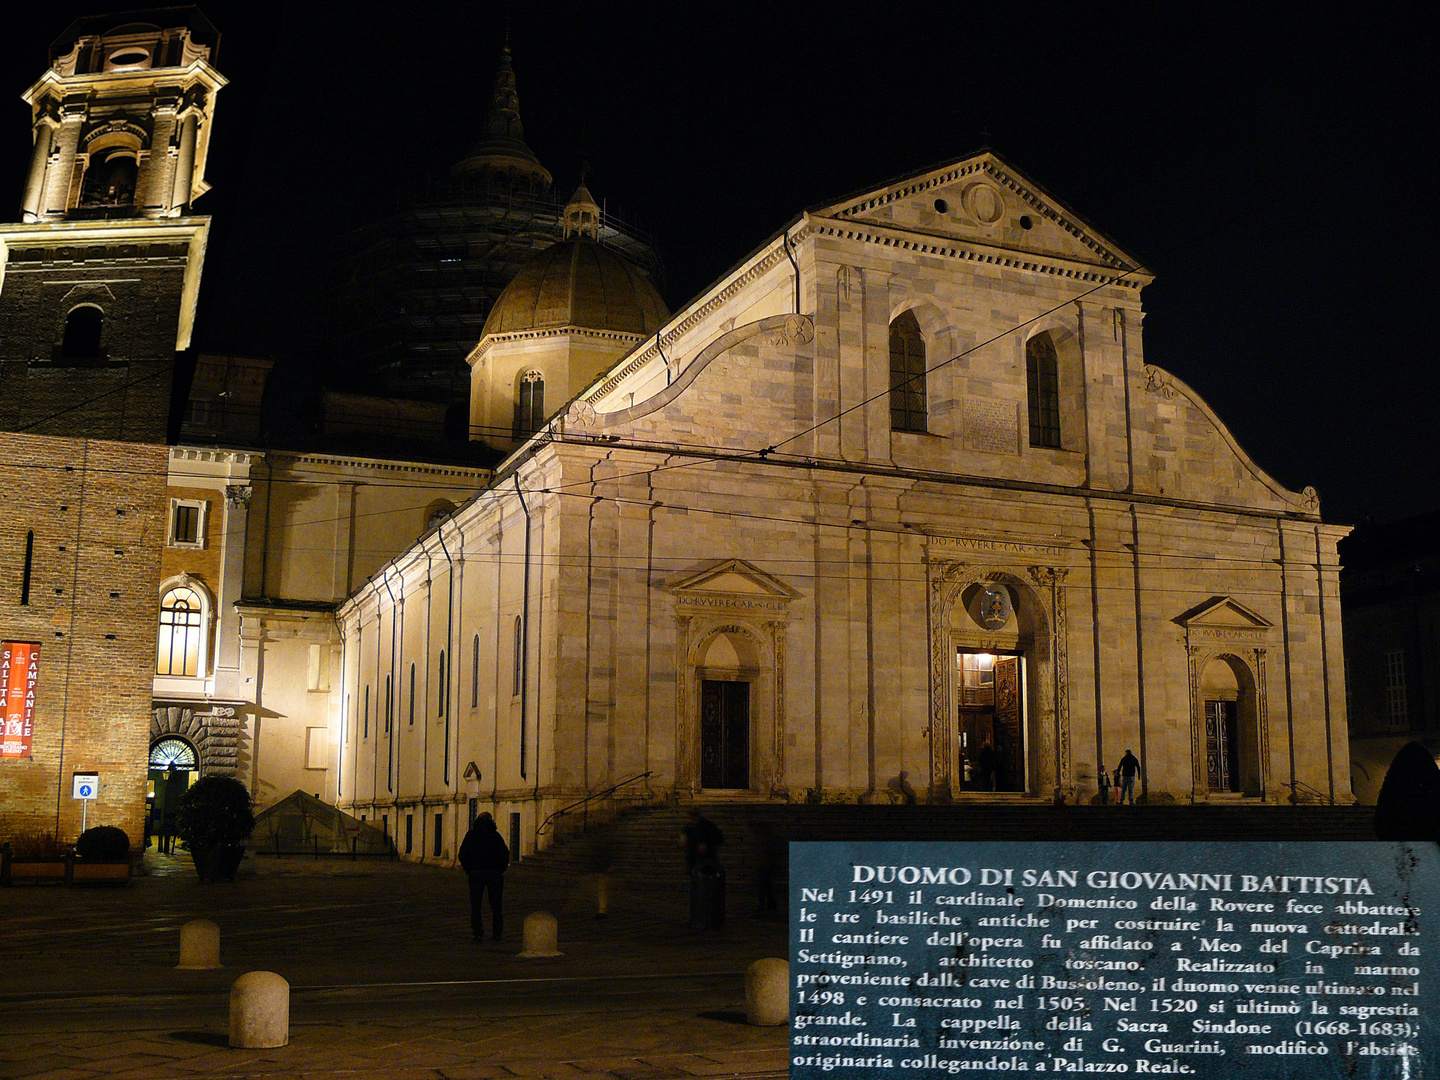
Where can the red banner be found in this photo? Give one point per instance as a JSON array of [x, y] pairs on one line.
[[19, 671]]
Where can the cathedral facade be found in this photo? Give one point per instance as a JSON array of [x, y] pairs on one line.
[[897, 503], [895, 509]]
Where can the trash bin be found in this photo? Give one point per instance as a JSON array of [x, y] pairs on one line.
[[707, 896]]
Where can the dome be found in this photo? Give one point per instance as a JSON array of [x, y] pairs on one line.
[[577, 282]]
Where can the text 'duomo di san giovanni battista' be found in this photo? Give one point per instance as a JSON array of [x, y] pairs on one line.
[[1262, 960]]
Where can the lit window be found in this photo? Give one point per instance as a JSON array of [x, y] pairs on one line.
[[172, 752], [181, 625], [1042, 387], [1397, 706], [907, 374]]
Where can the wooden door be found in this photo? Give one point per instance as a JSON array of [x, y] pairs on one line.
[[1009, 733], [1221, 738], [724, 734]]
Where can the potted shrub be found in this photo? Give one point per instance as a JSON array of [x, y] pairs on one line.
[[102, 857], [215, 819]]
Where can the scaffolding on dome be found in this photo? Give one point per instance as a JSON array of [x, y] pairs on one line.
[[301, 824]]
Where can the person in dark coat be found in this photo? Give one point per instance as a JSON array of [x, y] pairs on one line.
[[484, 857], [702, 840], [1126, 771], [987, 761]]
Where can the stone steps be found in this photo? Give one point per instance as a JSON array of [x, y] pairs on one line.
[[642, 847]]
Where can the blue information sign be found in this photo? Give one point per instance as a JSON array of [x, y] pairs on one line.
[[1264, 960]]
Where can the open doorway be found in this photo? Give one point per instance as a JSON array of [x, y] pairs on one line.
[[991, 720], [1232, 738], [173, 767]]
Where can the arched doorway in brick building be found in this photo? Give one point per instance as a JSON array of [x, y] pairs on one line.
[[174, 764]]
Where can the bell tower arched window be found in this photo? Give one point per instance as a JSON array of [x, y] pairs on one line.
[[529, 404], [82, 333], [907, 374], [110, 178], [1042, 388]]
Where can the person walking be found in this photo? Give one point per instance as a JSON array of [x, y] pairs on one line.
[[1104, 786], [484, 857], [1127, 770]]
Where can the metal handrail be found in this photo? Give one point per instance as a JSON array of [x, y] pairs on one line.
[[547, 823], [1296, 786]]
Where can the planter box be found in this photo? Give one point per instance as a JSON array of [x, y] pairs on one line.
[[99, 873], [65, 871], [32, 871]]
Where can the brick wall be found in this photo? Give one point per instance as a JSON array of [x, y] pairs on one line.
[[97, 511]]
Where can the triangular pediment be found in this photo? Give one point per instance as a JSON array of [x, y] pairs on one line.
[[734, 577], [981, 200], [1222, 612]]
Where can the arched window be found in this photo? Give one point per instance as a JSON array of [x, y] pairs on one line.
[[82, 333], [519, 659], [529, 404], [412, 695], [173, 753], [110, 178], [437, 512], [907, 374], [182, 628], [442, 695], [475, 673], [1042, 387]]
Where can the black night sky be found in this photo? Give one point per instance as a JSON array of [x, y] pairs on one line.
[[1272, 167]]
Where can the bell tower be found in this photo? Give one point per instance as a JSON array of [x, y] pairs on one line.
[[100, 279], [122, 118]]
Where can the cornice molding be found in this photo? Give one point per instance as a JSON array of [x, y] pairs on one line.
[[378, 465], [897, 236], [490, 340]]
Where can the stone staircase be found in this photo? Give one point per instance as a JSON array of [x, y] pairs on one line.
[[642, 846]]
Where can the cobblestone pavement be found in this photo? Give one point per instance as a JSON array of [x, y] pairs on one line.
[[385, 979]]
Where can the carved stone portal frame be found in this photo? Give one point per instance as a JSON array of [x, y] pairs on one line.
[[704, 610], [1242, 647], [1224, 629], [1042, 638]]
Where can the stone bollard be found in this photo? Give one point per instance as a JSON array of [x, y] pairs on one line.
[[541, 936], [259, 1010], [767, 992], [199, 946]]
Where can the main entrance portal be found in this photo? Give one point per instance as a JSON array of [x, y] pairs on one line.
[[991, 721], [724, 734]]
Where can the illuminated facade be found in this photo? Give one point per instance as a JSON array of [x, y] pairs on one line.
[[897, 500]]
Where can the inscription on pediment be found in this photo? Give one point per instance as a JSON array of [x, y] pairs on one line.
[[998, 545]]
